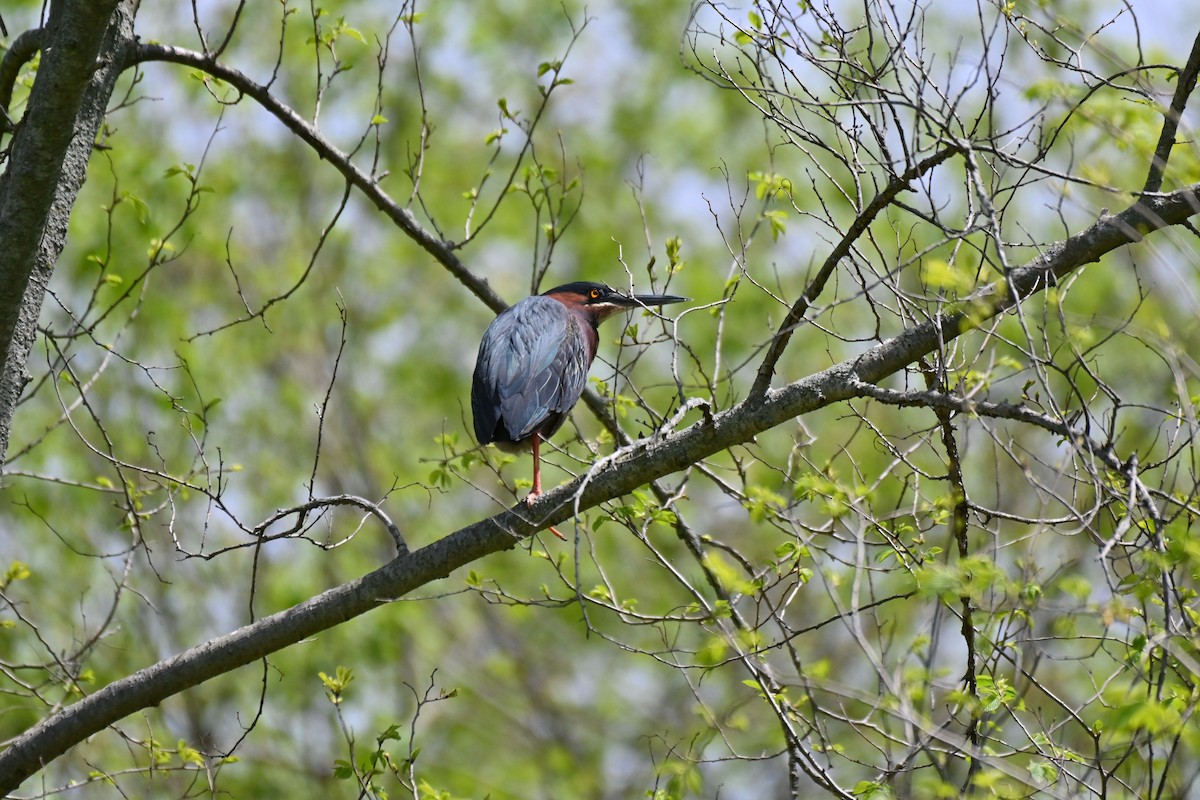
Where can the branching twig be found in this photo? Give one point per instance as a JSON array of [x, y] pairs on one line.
[[1185, 84], [402, 217]]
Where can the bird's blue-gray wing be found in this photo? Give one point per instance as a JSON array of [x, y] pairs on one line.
[[532, 367]]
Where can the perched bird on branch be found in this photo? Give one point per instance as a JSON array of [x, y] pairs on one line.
[[533, 363]]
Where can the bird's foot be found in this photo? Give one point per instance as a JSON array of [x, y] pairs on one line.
[[530, 500]]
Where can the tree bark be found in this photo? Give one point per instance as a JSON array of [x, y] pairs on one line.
[[83, 48]]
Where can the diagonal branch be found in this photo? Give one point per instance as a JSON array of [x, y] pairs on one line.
[[959, 525], [367, 184], [898, 184], [626, 470], [1184, 84]]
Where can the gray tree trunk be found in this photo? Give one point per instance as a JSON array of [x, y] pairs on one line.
[[83, 50]]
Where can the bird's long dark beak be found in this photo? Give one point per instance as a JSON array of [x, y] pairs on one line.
[[645, 300]]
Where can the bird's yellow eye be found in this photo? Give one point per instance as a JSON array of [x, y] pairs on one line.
[[594, 294]]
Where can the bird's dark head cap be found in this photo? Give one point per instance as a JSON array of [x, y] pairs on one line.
[[601, 300]]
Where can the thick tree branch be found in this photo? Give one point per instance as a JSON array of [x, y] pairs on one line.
[[441, 250], [47, 166], [628, 469]]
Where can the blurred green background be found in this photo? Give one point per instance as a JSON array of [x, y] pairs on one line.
[[201, 207]]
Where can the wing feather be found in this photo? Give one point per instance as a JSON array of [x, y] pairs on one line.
[[531, 369]]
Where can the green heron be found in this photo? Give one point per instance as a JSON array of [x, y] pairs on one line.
[[533, 363]]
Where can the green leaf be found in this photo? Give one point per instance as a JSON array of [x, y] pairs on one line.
[[713, 651], [1043, 772], [337, 683], [778, 220], [17, 571], [770, 186], [143, 210], [972, 577], [189, 755], [994, 692], [940, 274], [870, 790], [727, 574], [674, 255]]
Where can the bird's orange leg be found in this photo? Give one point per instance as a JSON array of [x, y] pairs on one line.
[[537, 480], [537, 469]]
